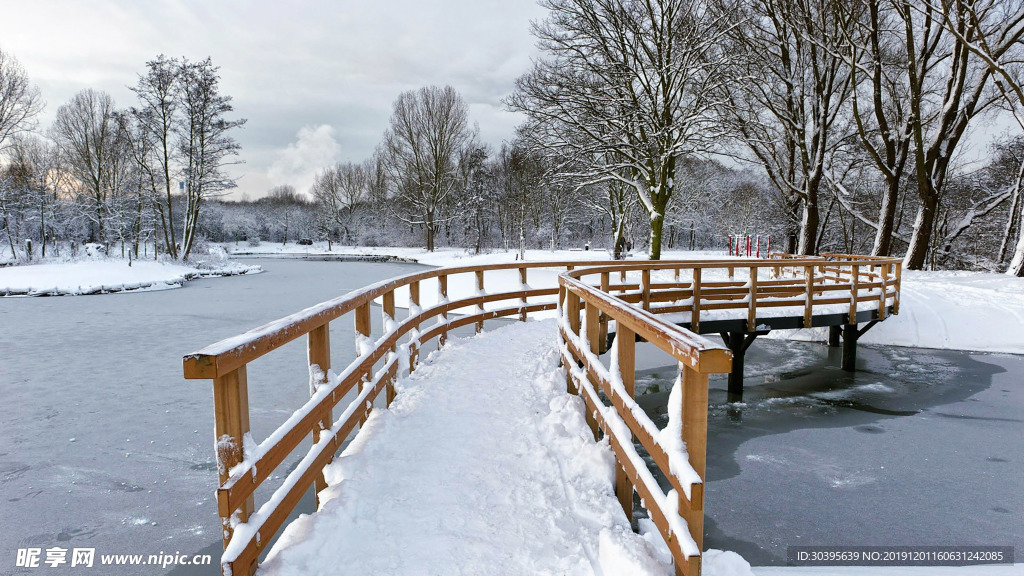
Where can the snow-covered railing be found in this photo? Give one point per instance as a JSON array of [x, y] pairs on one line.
[[744, 291], [678, 450], [801, 286], [244, 464]]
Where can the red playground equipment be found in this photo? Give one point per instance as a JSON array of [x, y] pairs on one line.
[[748, 246]]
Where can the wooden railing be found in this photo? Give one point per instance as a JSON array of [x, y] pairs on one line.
[[586, 312], [243, 464]]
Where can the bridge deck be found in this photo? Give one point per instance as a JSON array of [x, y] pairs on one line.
[[482, 465]]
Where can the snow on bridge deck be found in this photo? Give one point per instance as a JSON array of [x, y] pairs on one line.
[[482, 465]]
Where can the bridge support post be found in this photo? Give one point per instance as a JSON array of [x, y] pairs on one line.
[[833, 336], [738, 342], [850, 336]]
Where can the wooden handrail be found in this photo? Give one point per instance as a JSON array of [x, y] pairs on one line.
[[632, 304]]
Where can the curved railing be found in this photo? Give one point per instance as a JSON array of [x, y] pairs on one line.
[[587, 310]]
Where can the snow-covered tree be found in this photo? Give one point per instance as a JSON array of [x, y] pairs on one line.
[[428, 130], [205, 141], [628, 88]]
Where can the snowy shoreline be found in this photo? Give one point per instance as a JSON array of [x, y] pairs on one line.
[[946, 310], [107, 276]]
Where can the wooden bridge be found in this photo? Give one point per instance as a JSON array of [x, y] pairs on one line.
[[604, 309]]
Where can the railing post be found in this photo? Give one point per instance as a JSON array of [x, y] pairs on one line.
[[808, 296], [414, 304], [695, 309], [622, 276], [388, 307], [606, 288], [695, 435], [593, 337], [645, 294], [899, 282], [362, 322], [752, 305], [572, 310], [854, 288], [881, 299], [625, 341], [318, 345], [522, 301], [442, 292], [231, 424], [480, 306]]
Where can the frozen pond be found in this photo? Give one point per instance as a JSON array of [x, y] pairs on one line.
[[104, 444], [918, 447]]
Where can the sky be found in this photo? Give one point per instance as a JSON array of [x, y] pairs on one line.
[[315, 78]]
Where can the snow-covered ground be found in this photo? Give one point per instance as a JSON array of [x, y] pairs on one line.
[[978, 311], [95, 276]]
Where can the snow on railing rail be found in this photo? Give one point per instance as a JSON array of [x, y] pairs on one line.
[[835, 282]]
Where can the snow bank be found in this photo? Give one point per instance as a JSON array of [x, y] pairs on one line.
[[949, 309], [978, 311], [955, 310], [482, 465], [449, 256], [104, 276]]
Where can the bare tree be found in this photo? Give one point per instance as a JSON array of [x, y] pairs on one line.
[[155, 151], [787, 108], [632, 84], [880, 99], [20, 101], [90, 138], [420, 151], [340, 190], [204, 140], [963, 76]]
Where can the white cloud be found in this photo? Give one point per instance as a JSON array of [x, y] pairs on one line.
[[314, 149]]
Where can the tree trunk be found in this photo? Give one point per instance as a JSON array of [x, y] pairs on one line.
[[917, 253], [1004, 243], [1017, 264], [657, 223], [10, 237], [886, 218], [809, 228], [429, 225]]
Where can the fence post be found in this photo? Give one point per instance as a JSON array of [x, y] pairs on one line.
[[522, 301], [442, 292], [884, 269], [231, 424], [362, 341], [414, 305], [752, 305], [480, 306], [572, 310], [854, 289], [808, 296], [695, 309], [899, 282], [388, 307], [625, 341], [645, 295], [606, 288], [318, 345], [695, 435], [593, 337]]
